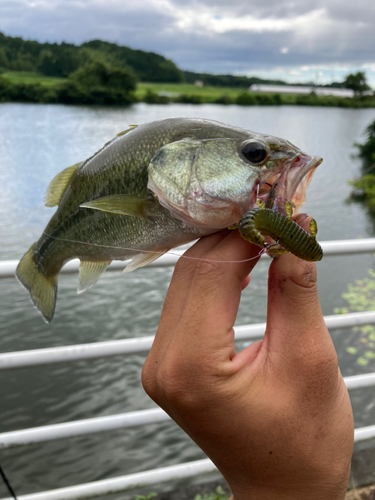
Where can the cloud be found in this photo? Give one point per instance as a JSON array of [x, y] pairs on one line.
[[210, 35]]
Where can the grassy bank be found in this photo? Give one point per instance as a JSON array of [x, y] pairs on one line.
[[30, 78], [34, 87], [189, 93]]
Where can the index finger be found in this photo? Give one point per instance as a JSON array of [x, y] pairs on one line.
[[211, 303]]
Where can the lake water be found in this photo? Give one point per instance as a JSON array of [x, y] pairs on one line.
[[38, 141]]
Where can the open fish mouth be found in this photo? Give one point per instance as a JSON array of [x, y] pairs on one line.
[[290, 183]]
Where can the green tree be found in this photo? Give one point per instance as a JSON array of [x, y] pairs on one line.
[[356, 82], [366, 151], [364, 186], [47, 63], [58, 62], [3, 58], [97, 75]]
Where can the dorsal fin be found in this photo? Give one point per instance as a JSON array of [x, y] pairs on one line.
[[131, 127], [58, 185], [89, 273]]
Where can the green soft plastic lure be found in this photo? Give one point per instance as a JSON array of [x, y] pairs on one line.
[[288, 235]]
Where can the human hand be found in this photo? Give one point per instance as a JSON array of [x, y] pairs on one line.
[[275, 418]]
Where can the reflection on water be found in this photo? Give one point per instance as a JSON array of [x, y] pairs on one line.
[[38, 141]]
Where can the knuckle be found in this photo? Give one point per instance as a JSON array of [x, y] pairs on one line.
[[208, 267], [184, 266], [317, 364], [295, 277], [209, 272], [148, 378], [172, 382], [306, 279], [179, 385], [164, 382]]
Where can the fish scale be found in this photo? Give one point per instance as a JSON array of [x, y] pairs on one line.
[[151, 188]]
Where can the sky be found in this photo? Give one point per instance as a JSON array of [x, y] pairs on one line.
[[297, 41]]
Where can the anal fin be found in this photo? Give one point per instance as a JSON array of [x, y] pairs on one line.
[[89, 273], [142, 259]]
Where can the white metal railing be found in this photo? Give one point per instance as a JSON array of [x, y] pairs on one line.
[[143, 344], [123, 420], [146, 478], [124, 483], [330, 248], [79, 352]]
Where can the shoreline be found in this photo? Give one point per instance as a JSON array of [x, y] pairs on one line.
[[71, 92]]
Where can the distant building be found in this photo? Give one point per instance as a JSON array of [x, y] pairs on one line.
[[198, 83], [300, 89]]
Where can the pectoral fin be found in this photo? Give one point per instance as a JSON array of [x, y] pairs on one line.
[[58, 185], [122, 204], [89, 273], [142, 259]]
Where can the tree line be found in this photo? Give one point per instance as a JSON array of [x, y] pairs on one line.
[[99, 72], [61, 60]]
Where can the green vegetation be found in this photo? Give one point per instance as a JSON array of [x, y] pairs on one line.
[[28, 77], [366, 151], [99, 72], [93, 83], [226, 80], [218, 494], [364, 191], [142, 497], [356, 82], [82, 87], [361, 297], [61, 60]]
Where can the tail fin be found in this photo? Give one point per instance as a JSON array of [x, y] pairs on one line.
[[42, 288]]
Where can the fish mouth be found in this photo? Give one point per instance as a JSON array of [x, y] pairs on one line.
[[288, 184]]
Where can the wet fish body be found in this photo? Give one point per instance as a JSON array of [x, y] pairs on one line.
[[152, 188]]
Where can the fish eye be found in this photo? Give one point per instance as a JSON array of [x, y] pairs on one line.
[[254, 152]]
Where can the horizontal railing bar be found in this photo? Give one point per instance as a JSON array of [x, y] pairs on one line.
[[330, 248], [8, 267], [81, 427], [124, 483], [364, 433], [348, 247], [360, 381], [147, 478], [79, 352], [119, 421]]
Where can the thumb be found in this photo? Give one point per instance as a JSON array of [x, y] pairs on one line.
[[295, 324]]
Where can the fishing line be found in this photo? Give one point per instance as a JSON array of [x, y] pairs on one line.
[[261, 251], [7, 483], [369, 169]]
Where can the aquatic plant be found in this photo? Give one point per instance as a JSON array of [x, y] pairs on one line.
[[142, 497], [218, 494], [361, 297]]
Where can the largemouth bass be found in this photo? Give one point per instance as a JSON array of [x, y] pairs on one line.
[[155, 187]]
